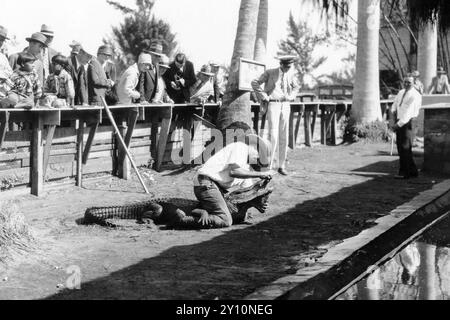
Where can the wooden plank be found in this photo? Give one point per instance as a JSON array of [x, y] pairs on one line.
[[124, 169], [308, 127], [162, 141], [291, 130], [4, 120], [87, 149], [37, 152], [48, 146], [79, 154]]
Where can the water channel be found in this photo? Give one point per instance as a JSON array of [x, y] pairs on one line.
[[421, 271]]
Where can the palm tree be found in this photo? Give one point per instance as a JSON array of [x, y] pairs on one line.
[[261, 31], [366, 93], [236, 103], [427, 53]]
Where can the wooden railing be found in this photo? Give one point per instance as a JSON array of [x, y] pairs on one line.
[[158, 121]]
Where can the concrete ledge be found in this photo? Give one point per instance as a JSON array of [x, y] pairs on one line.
[[429, 201]]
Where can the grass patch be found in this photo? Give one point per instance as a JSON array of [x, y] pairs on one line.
[[15, 236]]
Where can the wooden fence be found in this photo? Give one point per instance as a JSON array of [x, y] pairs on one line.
[[47, 144]]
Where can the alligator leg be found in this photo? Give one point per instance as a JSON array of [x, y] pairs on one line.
[[153, 212]]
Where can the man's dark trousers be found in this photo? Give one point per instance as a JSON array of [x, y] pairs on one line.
[[405, 136]]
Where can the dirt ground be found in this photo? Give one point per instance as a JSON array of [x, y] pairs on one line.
[[333, 193]]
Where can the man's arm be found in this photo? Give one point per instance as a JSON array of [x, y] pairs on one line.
[[256, 85], [131, 81], [242, 173], [98, 79]]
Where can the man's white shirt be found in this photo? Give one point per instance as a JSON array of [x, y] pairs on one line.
[[409, 107]]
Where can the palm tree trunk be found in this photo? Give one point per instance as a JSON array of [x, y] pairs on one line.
[[427, 272], [236, 103], [427, 54], [366, 95], [261, 32]]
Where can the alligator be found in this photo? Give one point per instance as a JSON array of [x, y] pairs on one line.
[[182, 213]]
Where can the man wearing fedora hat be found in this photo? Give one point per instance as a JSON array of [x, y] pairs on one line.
[[280, 89], [230, 169], [148, 79], [91, 79], [180, 78], [439, 84], [47, 52], [104, 56], [5, 68], [203, 90], [161, 95], [36, 43]]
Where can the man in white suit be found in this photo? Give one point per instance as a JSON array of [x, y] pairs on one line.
[[280, 89]]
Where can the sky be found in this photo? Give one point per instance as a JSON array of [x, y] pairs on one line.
[[205, 29]]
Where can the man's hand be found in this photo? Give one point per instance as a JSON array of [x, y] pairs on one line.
[[395, 127], [266, 175], [204, 219], [182, 81], [174, 86]]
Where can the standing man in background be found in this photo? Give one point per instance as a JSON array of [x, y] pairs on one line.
[[179, 79], [405, 108], [5, 68], [280, 88], [47, 52]]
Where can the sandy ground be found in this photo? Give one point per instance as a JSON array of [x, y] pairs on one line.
[[333, 193]]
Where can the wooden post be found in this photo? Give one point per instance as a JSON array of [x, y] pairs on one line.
[[323, 126], [89, 142], [291, 128], [80, 146], [256, 119], [297, 125], [4, 119], [154, 114], [163, 137], [37, 153], [48, 146], [333, 126], [308, 126], [124, 167]]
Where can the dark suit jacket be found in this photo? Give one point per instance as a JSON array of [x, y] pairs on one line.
[[81, 87], [97, 82], [188, 74], [148, 85]]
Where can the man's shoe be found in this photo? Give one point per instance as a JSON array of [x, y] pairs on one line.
[[283, 171]]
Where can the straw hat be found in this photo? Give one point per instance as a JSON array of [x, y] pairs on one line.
[[106, 50], [156, 49], [206, 70], [145, 58]]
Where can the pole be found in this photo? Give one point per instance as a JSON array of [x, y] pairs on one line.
[[110, 116], [392, 143]]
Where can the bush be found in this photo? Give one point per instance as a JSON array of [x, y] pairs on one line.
[[15, 235], [371, 132]]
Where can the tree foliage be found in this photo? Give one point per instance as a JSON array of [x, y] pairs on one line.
[[302, 42], [140, 24]]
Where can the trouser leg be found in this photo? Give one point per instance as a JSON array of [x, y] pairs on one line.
[[272, 133], [211, 200], [404, 145], [283, 137]]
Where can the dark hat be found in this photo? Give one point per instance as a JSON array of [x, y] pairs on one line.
[[441, 70], [106, 50], [3, 32], [25, 57], [47, 31], [156, 49], [38, 37], [287, 59]]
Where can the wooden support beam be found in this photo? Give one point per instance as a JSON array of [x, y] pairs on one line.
[[124, 168], [256, 120], [4, 120], [308, 127], [37, 153], [80, 144], [154, 133], [297, 126], [48, 146], [291, 129], [332, 126], [163, 136], [199, 113], [87, 148]]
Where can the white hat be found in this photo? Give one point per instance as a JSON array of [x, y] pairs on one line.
[[145, 58]]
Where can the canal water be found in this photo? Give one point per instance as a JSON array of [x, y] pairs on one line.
[[421, 271]]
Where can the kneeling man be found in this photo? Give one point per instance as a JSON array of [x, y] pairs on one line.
[[230, 169]]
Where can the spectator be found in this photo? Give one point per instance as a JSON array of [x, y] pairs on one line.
[[26, 88], [104, 56], [47, 52], [60, 82], [37, 42], [161, 95], [179, 79], [418, 85], [148, 79], [203, 90], [215, 70], [405, 108], [439, 84], [128, 83], [5, 68], [280, 88]]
